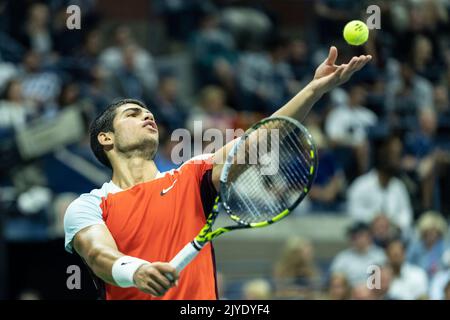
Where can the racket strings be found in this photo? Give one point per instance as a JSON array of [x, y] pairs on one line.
[[260, 191]]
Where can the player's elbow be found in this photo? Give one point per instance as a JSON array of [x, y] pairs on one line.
[[88, 251], [92, 256]]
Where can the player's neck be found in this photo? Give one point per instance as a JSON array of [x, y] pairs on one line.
[[130, 172]]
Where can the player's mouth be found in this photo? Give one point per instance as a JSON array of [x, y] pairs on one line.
[[151, 125]]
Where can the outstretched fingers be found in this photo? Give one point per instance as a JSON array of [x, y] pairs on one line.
[[355, 64], [332, 56]]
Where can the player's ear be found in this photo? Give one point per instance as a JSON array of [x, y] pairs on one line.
[[106, 138]]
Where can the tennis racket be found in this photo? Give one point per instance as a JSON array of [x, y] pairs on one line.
[[266, 174]]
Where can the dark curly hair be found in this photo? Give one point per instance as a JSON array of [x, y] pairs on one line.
[[104, 123]]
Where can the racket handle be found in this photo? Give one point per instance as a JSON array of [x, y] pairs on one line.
[[186, 255]]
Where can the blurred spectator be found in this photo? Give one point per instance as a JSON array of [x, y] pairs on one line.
[[258, 289], [66, 41], [215, 54], [249, 25], [70, 97], [360, 291], [409, 281], [338, 287], [383, 231], [428, 247], [166, 104], [7, 72], [97, 88], [379, 191], [329, 184], [181, 16], [332, 16], [265, 79], [300, 60], [447, 291], [362, 253], [383, 292], [13, 108], [442, 103], [424, 60], [380, 42], [40, 86], [441, 278], [126, 56], [70, 94], [86, 60], [126, 80], [296, 273], [406, 93], [423, 158], [346, 127], [36, 34], [427, 15], [212, 110]]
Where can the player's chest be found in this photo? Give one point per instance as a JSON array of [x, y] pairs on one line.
[[153, 207]]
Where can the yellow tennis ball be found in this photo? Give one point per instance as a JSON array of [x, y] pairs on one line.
[[356, 33]]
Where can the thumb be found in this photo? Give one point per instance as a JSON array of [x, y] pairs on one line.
[[332, 56]]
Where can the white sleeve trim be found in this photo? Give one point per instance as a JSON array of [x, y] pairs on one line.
[[83, 212]]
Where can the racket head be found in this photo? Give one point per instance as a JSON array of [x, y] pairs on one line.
[[259, 193]]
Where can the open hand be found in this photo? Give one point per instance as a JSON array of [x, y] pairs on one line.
[[328, 75]]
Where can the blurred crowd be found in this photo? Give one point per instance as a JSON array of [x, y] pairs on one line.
[[383, 138]]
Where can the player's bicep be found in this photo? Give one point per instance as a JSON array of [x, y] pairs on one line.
[[98, 249], [92, 239]]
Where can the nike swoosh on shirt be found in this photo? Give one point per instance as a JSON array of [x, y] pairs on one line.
[[164, 191]]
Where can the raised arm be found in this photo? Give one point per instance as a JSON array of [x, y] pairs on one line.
[[97, 247], [328, 76]]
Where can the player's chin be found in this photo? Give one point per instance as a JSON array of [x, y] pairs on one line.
[[151, 134], [151, 140]]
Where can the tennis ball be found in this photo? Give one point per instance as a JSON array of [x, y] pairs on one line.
[[356, 32]]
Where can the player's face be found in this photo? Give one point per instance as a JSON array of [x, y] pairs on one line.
[[135, 129]]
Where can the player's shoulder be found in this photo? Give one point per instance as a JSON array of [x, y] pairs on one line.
[[199, 159], [196, 161], [196, 166], [94, 197]]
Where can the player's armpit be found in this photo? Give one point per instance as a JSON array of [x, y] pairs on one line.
[[97, 247]]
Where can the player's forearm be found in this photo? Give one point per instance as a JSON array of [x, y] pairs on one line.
[[300, 105], [101, 260]]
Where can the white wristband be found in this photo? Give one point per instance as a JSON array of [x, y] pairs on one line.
[[123, 270]]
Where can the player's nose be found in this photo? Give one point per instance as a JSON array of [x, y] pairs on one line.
[[149, 116]]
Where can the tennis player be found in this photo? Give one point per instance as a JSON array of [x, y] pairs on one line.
[[128, 230]]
